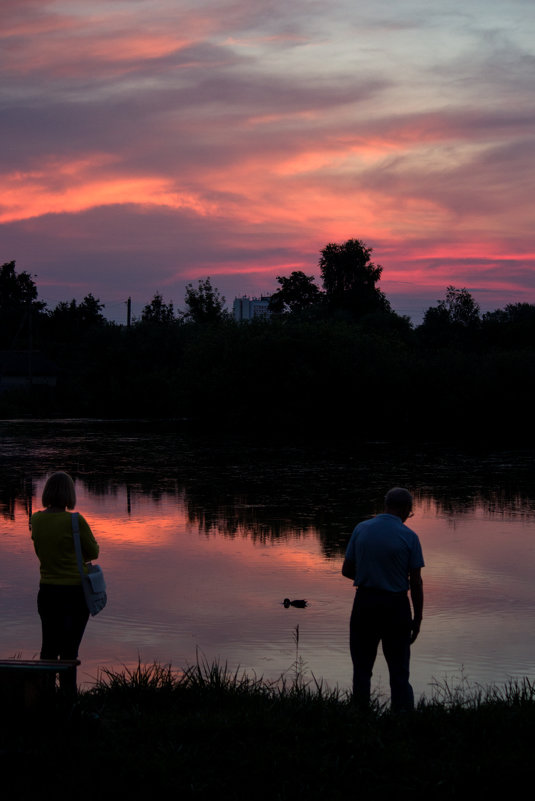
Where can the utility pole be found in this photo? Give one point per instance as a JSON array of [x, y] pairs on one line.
[[128, 312], [30, 343]]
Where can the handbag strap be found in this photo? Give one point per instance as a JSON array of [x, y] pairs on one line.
[[77, 545]]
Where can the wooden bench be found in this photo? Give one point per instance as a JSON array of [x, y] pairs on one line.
[[27, 684]]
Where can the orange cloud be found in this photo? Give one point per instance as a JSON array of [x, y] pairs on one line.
[[66, 44], [70, 187], [266, 148]]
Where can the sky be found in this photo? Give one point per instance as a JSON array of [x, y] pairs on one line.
[[146, 144]]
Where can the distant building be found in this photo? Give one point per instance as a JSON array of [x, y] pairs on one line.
[[246, 308]]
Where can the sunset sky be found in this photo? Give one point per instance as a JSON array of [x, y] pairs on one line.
[[150, 143]]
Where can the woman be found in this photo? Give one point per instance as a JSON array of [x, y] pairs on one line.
[[60, 602]]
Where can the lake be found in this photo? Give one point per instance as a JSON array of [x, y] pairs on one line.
[[201, 540]]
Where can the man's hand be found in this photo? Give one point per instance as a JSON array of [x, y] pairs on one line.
[[417, 597]]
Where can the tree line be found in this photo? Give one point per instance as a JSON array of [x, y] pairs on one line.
[[332, 360]]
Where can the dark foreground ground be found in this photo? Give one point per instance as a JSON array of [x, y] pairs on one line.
[[206, 734]]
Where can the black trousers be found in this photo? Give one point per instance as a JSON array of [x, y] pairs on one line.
[[64, 615], [384, 617]]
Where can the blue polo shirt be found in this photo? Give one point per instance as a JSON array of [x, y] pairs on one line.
[[384, 550]]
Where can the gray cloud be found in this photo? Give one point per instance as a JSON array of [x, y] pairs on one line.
[[424, 114]]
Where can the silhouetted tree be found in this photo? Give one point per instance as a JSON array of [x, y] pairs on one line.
[[90, 311], [350, 278], [460, 307], [436, 317], [512, 326], [454, 320], [18, 300], [158, 312], [516, 313], [16, 289], [204, 304], [297, 293], [72, 317]]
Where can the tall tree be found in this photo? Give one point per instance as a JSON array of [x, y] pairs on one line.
[[454, 321], [204, 304], [16, 289], [69, 322], [297, 292], [458, 308], [350, 278], [512, 326], [158, 312], [18, 304], [90, 310], [514, 313]]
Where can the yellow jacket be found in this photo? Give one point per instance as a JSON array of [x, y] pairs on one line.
[[54, 545]]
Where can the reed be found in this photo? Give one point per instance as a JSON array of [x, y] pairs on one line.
[[208, 731]]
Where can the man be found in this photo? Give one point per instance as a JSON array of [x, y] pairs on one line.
[[384, 560]]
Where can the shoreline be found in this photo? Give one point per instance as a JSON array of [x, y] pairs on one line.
[[210, 732]]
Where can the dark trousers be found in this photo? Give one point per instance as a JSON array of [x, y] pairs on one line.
[[384, 617], [64, 615]]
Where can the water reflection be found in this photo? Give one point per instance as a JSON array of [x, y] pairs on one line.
[[201, 544], [277, 510]]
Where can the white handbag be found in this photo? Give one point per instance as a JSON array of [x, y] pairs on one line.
[[93, 582]]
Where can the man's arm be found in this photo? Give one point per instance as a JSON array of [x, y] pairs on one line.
[[417, 597], [348, 569]]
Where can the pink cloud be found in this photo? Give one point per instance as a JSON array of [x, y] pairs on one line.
[[237, 141]]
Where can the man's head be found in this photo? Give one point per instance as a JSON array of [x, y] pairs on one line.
[[398, 501]]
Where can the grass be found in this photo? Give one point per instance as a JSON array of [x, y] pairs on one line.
[[208, 732]]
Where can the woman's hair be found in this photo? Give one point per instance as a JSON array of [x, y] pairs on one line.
[[59, 491]]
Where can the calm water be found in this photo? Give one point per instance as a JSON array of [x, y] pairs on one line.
[[201, 542]]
